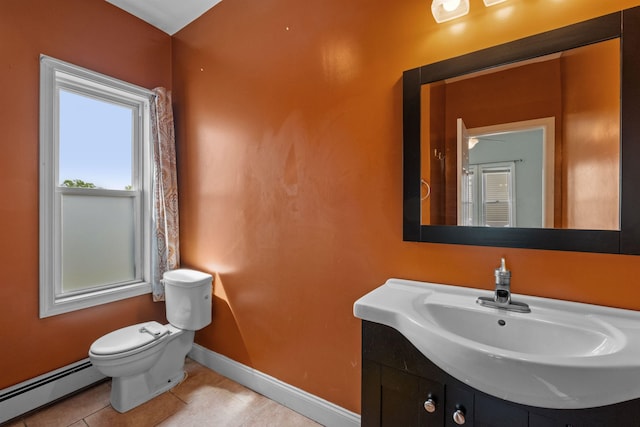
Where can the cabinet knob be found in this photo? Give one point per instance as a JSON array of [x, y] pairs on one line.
[[430, 405], [458, 417]]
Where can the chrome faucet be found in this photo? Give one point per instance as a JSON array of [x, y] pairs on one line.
[[503, 284], [502, 295]]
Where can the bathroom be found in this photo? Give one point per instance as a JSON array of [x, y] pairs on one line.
[[289, 141]]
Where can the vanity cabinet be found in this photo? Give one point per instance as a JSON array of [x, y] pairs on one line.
[[402, 388]]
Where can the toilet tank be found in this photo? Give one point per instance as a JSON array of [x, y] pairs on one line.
[[187, 298]]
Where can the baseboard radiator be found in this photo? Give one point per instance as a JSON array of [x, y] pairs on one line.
[[307, 404], [36, 392]]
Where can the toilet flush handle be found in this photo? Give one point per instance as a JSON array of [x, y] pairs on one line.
[[153, 330]]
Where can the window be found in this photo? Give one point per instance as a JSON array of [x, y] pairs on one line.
[[489, 195], [95, 182], [497, 196]]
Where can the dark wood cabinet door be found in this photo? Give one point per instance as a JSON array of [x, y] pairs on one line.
[[393, 398]]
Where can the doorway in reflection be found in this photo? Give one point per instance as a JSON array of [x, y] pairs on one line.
[[503, 177]]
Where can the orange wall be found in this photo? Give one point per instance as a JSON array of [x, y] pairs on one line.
[[592, 122], [289, 127], [96, 35], [433, 107]]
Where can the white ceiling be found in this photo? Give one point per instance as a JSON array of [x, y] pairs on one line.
[[168, 15]]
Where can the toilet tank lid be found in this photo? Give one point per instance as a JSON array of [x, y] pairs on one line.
[[128, 338], [186, 277]]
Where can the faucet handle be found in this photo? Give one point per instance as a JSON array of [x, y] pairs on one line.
[[502, 274]]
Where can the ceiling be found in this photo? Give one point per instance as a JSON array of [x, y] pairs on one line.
[[168, 15]]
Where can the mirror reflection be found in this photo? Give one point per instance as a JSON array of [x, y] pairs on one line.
[[535, 144]]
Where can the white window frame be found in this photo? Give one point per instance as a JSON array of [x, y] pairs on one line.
[[56, 75], [473, 213], [469, 210]]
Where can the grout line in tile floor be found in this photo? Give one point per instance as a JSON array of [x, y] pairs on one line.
[[203, 398]]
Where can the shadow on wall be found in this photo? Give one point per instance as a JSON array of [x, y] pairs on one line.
[[229, 336]]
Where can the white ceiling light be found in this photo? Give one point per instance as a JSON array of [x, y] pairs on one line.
[[445, 10], [492, 2]]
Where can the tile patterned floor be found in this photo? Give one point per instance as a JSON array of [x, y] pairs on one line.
[[203, 399]]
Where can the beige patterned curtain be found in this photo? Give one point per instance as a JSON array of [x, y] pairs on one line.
[[166, 253]]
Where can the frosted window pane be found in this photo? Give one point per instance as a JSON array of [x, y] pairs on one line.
[[95, 141], [97, 241]]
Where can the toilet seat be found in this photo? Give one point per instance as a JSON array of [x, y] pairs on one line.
[[129, 340]]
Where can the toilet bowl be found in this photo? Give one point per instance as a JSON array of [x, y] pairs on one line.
[[147, 359]]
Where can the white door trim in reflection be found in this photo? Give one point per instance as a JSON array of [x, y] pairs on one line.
[[471, 136]]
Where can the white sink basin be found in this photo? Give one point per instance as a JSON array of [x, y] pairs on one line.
[[561, 355], [546, 332]]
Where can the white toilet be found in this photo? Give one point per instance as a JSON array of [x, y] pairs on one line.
[[148, 358]]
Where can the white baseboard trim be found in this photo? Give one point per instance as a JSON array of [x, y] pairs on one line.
[[31, 394], [307, 404]]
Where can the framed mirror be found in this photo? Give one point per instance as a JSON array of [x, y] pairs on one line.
[[467, 182]]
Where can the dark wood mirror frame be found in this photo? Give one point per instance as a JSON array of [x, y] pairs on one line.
[[624, 25]]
